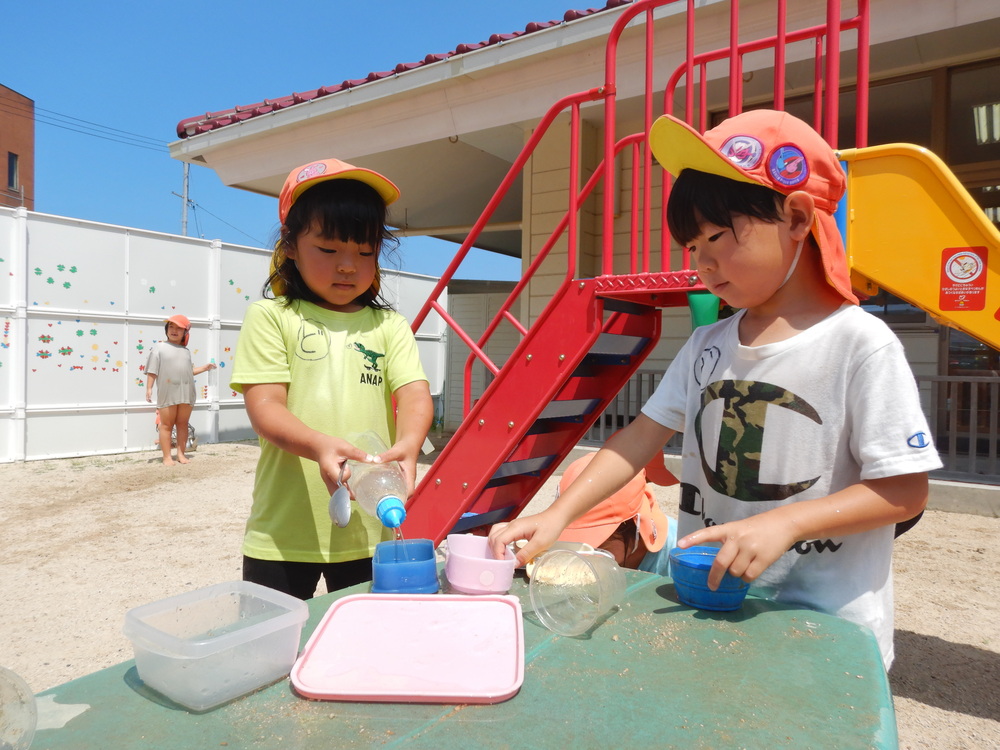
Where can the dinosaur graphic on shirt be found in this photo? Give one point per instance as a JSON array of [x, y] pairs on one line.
[[371, 357]]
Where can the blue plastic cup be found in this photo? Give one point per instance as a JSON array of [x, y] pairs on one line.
[[405, 566], [689, 569]]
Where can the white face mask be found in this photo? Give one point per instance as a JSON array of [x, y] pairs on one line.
[[795, 262]]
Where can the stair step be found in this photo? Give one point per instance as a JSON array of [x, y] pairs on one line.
[[590, 363], [524, 466], [469, 521], [576, 407], [613, 304], [616, 343]]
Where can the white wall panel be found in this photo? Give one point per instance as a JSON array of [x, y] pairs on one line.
[[241, 278], [81, 306], [76, 266], [63, 434], [167, 277], [78, 361]]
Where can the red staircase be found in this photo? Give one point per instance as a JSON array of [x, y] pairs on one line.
[[595, 332]]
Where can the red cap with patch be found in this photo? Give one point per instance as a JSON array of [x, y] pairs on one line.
[[773, 149]]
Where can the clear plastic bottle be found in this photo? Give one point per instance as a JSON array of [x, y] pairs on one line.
[[380, 489]]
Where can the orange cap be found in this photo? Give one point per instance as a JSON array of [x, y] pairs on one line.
[[302, 178], [181, 321], [634, 501], [773, 149]]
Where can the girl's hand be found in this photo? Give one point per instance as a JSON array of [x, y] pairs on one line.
[[334, 453], [407, 460]]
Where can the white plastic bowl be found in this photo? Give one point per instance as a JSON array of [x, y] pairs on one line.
[[471, 568]]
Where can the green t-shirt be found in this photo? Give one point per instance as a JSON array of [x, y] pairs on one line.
[[341, 370]]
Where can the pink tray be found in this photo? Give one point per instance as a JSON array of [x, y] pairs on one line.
[[415, 648]]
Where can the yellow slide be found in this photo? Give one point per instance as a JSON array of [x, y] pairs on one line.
[[912, 229]]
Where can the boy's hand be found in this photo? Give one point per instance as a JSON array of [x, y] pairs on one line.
[[540, 530], [749, 547]]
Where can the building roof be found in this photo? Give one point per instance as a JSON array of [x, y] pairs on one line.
[[214, 120]]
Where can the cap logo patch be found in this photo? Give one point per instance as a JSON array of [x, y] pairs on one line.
[[310, 171], [788, 166], [743, 150]]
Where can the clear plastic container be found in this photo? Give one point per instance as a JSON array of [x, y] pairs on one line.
[[571, 592], [379, 488], [208, 646], [18, 711]]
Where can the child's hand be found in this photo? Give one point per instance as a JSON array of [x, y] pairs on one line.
[[541, 531], [334, 454], [407, 460], [749, 547]]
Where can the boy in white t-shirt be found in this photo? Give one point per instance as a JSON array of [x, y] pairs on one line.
[[806, 508]]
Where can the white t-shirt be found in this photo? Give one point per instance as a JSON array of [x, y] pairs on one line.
[[840, 405]]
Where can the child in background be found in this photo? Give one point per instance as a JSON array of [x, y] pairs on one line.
[[325, 358], [807, 508], [170, 367]]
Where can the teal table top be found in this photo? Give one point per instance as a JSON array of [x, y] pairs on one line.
[[655, 673]]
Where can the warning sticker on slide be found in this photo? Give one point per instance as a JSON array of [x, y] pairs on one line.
[[963, 278]]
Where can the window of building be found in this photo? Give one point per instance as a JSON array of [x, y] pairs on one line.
[[899, 111], [974, 115], [13, 183]]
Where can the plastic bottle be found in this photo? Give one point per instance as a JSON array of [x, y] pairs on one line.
[[379, 488]]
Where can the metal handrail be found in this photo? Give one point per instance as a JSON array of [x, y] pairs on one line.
[[641, 226]]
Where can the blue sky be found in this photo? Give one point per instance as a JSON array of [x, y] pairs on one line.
[[111, 80]]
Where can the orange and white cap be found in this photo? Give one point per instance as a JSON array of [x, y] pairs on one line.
[[634, 501], [773, 149], [181, 321], [302, 178]]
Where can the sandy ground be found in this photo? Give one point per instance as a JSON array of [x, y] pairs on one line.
[[84, 540]]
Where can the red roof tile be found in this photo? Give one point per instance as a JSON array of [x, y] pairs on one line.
[[215, 120]]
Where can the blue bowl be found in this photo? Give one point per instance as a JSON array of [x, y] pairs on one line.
[[689, 570], [404, 567]]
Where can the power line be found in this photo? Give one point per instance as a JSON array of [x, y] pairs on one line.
[[94, 130], [197, 206], [29, 110], [156, 141], [104, 132]]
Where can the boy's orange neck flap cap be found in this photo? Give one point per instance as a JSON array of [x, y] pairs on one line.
[[773, 149]]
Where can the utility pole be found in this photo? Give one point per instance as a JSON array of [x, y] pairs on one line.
[[184, 200]]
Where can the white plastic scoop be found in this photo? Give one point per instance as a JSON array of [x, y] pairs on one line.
[[340, 501]]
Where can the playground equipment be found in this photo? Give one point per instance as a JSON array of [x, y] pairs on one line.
[[908, 225], [912, 229]]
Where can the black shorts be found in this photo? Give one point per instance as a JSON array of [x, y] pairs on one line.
[[300, 578]]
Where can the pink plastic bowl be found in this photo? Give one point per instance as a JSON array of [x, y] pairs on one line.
[[471, 569]]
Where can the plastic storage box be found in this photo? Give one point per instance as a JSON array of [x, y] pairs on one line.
[[208, 646]]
